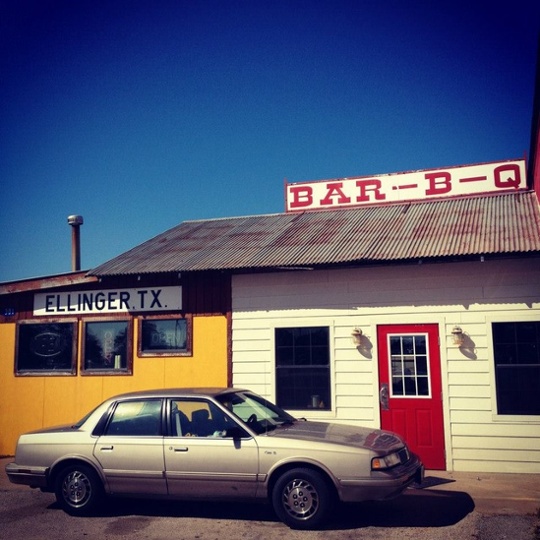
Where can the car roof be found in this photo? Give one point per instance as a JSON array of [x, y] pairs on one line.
[[176, 392]]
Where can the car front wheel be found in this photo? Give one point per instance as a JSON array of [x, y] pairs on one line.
[[302, 499], [78, 490]]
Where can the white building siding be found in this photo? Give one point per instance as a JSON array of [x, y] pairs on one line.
[[472, 295]]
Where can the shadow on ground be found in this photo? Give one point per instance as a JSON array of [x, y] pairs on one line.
[[415, 508]]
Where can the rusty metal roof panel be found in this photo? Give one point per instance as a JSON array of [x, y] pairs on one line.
[[495, 224]]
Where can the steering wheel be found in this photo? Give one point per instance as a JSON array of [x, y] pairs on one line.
[[252, 419]]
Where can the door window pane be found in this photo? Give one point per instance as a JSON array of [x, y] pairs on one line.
[[409, 366], [421, 365], [197, 418], [136, 418]]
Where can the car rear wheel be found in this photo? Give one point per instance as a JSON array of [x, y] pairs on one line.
[[78, 490], [302, 499]]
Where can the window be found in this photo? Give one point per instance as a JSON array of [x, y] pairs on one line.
[[106, 347], [136, 418], [165, 337], [409, 366], [46, 348], [195, 418], [303, 368], [516, 349]]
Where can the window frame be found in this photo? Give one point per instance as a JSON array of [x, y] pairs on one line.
[[188, 351], [68, 372], [328, 411], [502, 416], [128, 370], [414, 358]]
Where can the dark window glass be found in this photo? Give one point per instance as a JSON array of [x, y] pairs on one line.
[[421, 365], [106, 346], [48, 347], [164, 336], [136, 418], [516, 349], [303, 368]]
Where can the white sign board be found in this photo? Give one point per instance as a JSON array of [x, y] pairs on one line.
[[108, 301], [398, 187]]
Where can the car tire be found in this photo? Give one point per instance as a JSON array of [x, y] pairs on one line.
[[78, 490], [302, 499]]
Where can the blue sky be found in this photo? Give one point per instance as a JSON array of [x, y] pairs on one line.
[[139, 115]]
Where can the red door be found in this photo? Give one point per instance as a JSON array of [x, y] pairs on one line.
[[410, 388]]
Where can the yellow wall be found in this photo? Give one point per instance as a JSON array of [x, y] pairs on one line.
[[33, 402]]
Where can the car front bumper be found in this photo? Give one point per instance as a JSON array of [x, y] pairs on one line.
[[382, 484], [29, 476]]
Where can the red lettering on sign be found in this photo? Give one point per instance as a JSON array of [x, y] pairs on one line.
[[302, 196], [514, 180], [368, 187], [413, 185], [333, 190], [439, 183]]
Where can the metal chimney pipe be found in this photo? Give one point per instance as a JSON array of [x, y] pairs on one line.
[[75, 221]]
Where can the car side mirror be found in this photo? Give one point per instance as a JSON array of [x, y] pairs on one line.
[[236, 432]]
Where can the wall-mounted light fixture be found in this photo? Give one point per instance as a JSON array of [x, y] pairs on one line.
[[457, 336], [356, 336], [362, 343]]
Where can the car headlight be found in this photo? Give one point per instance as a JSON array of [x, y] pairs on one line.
[[385, 462]]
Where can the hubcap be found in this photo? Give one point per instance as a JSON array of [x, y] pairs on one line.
[[76, 488], [300, 499]]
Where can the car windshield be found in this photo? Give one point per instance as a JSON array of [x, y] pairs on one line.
[[258, 413]]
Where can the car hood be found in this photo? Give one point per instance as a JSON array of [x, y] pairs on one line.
[[346, 435]]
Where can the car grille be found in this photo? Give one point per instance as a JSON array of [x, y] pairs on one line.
[[404, 455]]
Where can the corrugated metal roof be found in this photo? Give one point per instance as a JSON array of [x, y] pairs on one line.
[[46, 282], [494, 224]]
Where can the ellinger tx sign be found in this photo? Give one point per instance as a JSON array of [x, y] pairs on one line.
[[399, 187]]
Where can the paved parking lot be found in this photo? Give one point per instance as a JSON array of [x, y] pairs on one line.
[[450, 505]]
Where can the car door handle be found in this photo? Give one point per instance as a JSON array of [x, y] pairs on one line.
[[180, 449], [384, 396], [107, 448]]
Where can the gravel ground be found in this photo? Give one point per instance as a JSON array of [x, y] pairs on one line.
[[29, 515]]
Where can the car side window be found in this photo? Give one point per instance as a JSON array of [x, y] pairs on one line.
[[136, 418], [196, 418]]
